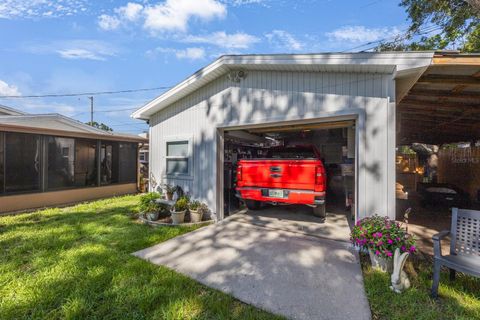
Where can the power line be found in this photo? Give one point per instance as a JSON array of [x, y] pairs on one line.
[[56, 95]]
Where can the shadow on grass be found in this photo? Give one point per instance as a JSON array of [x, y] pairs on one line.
[[459, 299], [75, 263]]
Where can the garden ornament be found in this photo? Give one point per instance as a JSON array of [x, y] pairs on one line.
[[400, 281]]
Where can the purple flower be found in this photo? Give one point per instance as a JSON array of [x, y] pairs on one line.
[[390, 241], [377, 253], [412, 249], [403, 249], [388, 253], [380, 243]]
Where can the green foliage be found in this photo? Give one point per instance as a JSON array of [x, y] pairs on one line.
[[439, 24], [170, 189], [406, 150], [181, 204], [101, 126], [76, 263], [382, 236], [147, 202]]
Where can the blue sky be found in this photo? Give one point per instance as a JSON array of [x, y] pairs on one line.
[[69, 46]]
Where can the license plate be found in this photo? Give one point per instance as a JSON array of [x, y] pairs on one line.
[[275, 193]]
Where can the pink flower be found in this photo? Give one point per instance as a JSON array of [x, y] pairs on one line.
[[412, 249], [377, 253], [403, 249], [390, 241], [380, 243], [388, 253]]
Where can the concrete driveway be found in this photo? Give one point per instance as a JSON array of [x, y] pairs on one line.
[[279, 270]]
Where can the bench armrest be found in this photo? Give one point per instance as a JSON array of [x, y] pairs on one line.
[[437, 244]]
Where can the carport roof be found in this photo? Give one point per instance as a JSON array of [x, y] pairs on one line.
[[443, 106], [396, 63]]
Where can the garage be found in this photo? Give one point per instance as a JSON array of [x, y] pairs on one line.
[[237, 107], [274, 153]]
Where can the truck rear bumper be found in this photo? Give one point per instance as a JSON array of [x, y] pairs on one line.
[[291, 196]]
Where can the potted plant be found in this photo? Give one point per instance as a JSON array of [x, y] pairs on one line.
[[178, 210], [197, 210], [380, 236], [148, 206], [152, 211], [169, 191]]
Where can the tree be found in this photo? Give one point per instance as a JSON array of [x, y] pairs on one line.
[[439, 24], [99, 126]]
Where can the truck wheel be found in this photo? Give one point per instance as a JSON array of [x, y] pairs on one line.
[[320, 211], [252, 204]]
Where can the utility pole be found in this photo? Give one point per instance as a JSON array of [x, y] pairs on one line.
[[91, 110]]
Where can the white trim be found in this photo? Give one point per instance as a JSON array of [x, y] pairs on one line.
[[189, 157]]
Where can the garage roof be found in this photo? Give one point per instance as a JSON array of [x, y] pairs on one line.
[[395, 63]]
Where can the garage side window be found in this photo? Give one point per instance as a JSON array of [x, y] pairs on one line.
[[178, 156]]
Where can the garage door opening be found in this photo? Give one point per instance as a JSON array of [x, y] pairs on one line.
[[282, 179]]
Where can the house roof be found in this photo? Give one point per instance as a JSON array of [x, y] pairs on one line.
[[56, 124], [397, 63], [4, 110]]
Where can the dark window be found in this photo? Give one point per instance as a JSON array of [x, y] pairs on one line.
[[85, 163], [128, 162], [2, 158], [61, 159], [22, 162], [109, 163], [291, 153]]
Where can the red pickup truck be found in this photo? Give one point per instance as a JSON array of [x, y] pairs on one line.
[[288, 175]]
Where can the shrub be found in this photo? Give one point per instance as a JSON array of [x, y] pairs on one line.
[[147, 200], [181, 204], [382, 236]]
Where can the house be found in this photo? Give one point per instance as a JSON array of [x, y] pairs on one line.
[[50, 159], [356, 107]]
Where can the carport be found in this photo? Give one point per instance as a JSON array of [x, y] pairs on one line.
[[439, 119]]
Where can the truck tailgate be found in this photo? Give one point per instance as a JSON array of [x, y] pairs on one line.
[[282, 174]]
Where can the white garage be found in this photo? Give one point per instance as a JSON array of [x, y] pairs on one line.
[[189, 124]]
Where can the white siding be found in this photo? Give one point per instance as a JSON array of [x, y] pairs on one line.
[[273, 96]]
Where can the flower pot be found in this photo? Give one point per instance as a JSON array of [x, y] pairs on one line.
[[169, 196], [152, 216], [178, 217], [380, 263], [196, 216]]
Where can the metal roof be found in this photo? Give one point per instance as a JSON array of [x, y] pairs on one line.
[[56, 124], [4, 110], [396, 63]]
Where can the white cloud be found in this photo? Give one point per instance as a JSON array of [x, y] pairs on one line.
[[221, 39], [26, 9], [107, 22], [359, 34], [131, 11], [283, 40], [167, 16], [8, 89], [188, 53], [76, 49]]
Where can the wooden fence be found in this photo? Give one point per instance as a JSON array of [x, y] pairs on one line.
[[461, 166]]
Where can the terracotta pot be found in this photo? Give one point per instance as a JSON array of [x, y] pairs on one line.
[[152, 216], [178, 217], [169, 196], [380, 263], [196, 216]]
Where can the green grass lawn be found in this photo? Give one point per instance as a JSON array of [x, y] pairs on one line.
[[75, 263], [458, 300]]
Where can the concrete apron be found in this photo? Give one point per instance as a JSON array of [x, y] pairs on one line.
[[286, 273]]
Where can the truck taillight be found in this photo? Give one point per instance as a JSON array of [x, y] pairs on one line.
[[319, 176]]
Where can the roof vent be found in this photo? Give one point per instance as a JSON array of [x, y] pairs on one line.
[[236, 75]]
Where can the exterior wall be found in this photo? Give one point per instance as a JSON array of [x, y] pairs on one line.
[[47, 199], [276, 96]]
